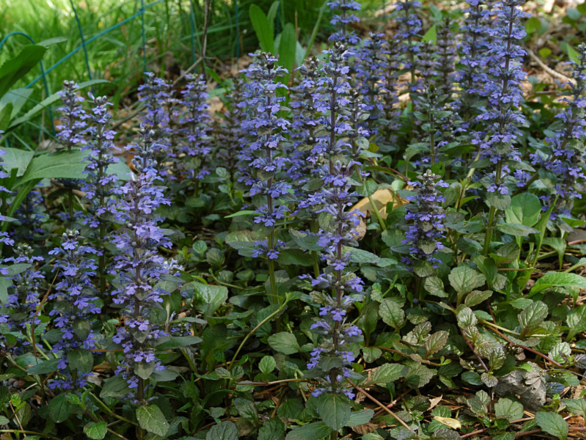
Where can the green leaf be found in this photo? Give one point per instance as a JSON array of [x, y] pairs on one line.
[[5, 115], [516, 230], [60, 408], [267, 364], [435, 286], [95, 430], [208, 298], [334, 410], [274, 429], [246, 409], [311, 431], [18, 98], [361, 417], [509, 409], [464, 279], [81, 360], [488, 267], [544, 52], [14, 69], [559, 245], [287, 49], [532, 25], [436, 342], [392, 314], [556, 279], [179, 342], [388, 373], [431, 35], [5, 283], [263, 29], [284, 342], [498, 200], [294, 256], [553, 424], [576, 406], [64, 165], [576, 321], [115, 387], [524, 210], [533, 315], [476, 297], [16, 159], [305, 241], [44, 367], [573, 54], [151, 419], [223, 431]]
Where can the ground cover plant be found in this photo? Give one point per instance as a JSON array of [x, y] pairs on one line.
[[379, 240]]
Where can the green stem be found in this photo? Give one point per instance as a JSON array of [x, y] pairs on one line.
[[253, 331]]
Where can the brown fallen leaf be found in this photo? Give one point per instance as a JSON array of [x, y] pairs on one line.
[[449, 422]]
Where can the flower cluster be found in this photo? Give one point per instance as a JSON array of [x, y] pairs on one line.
[[409, 29], [426, 214], [261, 160], [446, 51], [332, 356], [370, 67], [231, 135], [23, 295], [74, 304], [472, 76], [100, 184], [140, 267], [196, 123], [71, 130], [563, 157], [344, 20], [30, 215], [503, 90]]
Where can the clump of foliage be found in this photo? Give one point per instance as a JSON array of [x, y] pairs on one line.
[[372, 246]]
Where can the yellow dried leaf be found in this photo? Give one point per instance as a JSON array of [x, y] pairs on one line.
[[449, 422]]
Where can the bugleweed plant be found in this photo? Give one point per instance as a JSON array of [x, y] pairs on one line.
[[382, 242]]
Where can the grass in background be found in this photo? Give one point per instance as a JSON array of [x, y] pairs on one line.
[[173, 30]]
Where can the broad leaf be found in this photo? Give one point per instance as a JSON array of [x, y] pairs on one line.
[[334, 410], [151, 419], [262, 28], [553, 424], [284, 342], [554, 279], [60, 408], [464, 279], [532, 316], [524, 210], [14, 69], [311, 431], [274, 429], [95, 430], [361, 417], [392, 314], [509, 409]]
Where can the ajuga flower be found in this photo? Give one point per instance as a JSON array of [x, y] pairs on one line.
[[426, 214], [503, 89], [230, 137], [74, 304], [409, 29], [30, 215], [332, 357], [100, 185], [446, 62], [73, 116], [370, 66], [196, 122], [140, 267], [71, 133], [306, 120], [563, 156], [161, 116], [23, 295], [262, 159], [427, 63], [471, 75], [343, 20]]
